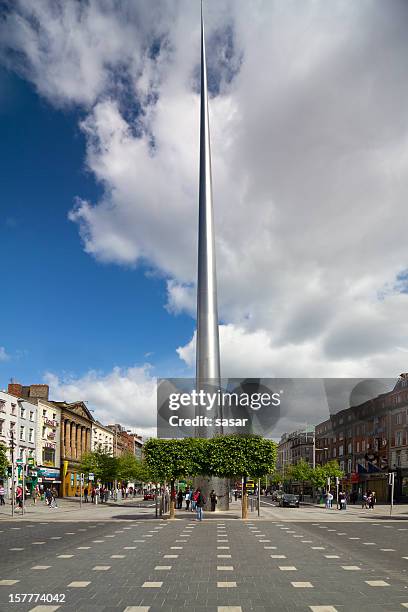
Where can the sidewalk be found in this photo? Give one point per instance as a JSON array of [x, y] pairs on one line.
[[69, 508]]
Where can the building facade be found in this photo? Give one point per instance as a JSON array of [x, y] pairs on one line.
[[75, 437], [369, 441], [102, 438], [48, 448], [122, 440], [294, 447]]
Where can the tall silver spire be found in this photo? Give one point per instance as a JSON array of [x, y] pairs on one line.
[[208, 375], [208, 349]]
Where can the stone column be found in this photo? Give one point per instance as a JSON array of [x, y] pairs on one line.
[[73, 440], [67, 439], [78, 441], [88, 439], [83, 440]]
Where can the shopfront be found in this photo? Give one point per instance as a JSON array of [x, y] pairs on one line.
[[49, 478]]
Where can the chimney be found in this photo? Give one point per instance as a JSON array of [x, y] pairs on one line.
[[39, 391], [15, 389]]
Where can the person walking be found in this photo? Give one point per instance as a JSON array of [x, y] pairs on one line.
[[236, 494], [180, 499], [200, 503], [86, 492], [2, 494], [372, 500], [19, 496], [187, 498], [213, 500], [364, 501], [194, 500], [93, 492]]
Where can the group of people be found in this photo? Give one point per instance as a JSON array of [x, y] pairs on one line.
[[329, 497], [197, 501], [368, 500]]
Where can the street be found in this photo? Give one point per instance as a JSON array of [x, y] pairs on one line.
[[136, 562]]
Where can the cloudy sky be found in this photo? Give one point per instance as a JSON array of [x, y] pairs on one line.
[[99, 122]]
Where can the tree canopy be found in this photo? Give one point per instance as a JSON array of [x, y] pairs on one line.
[[4, 462]]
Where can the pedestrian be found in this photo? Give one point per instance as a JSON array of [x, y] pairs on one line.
[[2, 494], [19, 496], [364, 500], [187, 498], [213, 500], [200, 503], [93, 493], [48, 497], [342, 500], [372, 500], [236, 494], [180, 499], [194, 500], [86, 492]]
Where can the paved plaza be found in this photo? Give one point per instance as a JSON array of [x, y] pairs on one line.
[[135, 562]]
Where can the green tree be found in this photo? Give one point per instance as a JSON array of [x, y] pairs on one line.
[[101, 464], [235, 456], [170, 460], [332, 469], [299, 472], [4, 462]]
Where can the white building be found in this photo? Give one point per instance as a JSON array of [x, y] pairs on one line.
[[48, 449], [102, 438], [18, 420]]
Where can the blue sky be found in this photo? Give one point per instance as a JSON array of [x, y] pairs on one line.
[[63, 311]]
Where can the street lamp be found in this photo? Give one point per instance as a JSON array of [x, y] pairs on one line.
[[315, 450]]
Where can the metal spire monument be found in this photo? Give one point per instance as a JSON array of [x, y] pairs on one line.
[[208, 349], [208, 374]]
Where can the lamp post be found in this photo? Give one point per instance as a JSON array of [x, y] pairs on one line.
[[12, 446]]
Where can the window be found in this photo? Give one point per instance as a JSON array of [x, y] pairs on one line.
[[13, 409], [398, 418], [44, 413], [2, 406], [44, 432], [341, 450], [350, 448], [398, 458], [22, 432], [54, 416], [1, 428], [357, 447], [31, 415], [363, 445], [12, 426], [22, 412], [22, 453], [48, 455], [349, 466], [334, 451], [31, 435], [398, 438]]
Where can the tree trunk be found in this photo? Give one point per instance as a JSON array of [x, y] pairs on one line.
[[172, 500], [244, 500]]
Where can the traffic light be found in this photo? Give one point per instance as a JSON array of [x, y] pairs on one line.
[[9, 471]]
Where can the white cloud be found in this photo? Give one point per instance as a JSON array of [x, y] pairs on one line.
[[3, 354], [310, 173], [126, 396]]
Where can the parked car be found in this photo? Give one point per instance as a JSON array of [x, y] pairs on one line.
[[148, 496], [289, 500]]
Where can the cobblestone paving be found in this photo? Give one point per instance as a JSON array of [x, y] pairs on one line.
[[217, 565]]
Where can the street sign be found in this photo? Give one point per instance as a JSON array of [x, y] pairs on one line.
[[91, 476]]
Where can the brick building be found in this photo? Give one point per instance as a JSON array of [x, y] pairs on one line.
[[368, 441]]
